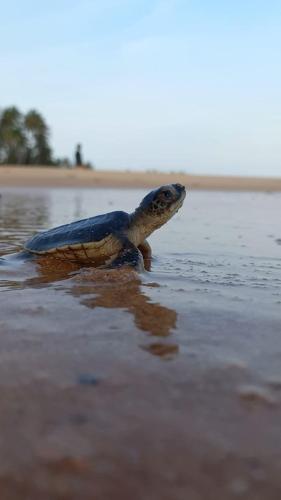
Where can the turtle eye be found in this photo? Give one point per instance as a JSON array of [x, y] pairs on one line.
[[167, 194]]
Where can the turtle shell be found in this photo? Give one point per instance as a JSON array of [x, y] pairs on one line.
[[94, 229]]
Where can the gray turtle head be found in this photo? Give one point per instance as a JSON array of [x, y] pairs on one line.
[[160, 205]]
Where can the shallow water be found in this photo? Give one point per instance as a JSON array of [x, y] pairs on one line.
[[119, 372]]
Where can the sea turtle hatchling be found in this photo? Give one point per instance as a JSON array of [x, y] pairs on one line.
[[113, 239]]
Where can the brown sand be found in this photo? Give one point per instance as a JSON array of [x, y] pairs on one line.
[[14, 176], [93, 408]]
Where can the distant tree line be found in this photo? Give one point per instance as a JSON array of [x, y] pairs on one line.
[[24, 139]]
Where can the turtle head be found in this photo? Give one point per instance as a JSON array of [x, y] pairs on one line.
[[161, 204]]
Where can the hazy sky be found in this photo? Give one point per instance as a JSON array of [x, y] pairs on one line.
[[167, 84]]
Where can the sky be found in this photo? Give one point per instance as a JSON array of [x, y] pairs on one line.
[[172, 85]]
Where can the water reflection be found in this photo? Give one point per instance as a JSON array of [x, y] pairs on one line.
[[20, 216], [78, 211], [108, 289], [50, 270], [121, 289]]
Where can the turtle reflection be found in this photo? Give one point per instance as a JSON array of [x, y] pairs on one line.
[[107, 288], [121, 288]]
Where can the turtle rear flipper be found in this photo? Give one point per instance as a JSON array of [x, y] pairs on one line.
[[130, 256]]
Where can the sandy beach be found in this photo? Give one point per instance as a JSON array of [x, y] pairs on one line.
[[20, 176], [140, 250]]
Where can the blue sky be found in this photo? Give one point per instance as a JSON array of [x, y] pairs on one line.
[[182, 85]]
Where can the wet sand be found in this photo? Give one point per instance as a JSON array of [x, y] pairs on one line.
[[13, 176], [163, 385]]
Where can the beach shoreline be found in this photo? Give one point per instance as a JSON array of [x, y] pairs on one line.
[[50, 177]]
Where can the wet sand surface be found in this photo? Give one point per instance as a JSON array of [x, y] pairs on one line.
[[164, 385]]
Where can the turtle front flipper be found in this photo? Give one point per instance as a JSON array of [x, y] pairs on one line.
[[130, 256], [146, 252]]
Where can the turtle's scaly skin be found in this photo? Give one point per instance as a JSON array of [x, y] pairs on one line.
[[112, 239]]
